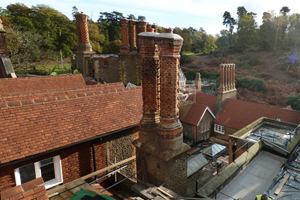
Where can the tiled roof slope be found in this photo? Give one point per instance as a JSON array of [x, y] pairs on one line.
[[27, 84], [33, 189], [237, 114], [194, 114], [38, 126], [74, 90], [205, 99]]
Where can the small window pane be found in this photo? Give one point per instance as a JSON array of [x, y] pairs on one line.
[[27, 173], [46, 161], [48, 172]]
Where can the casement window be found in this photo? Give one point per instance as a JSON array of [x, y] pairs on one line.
[[49, 169], [219, 129]]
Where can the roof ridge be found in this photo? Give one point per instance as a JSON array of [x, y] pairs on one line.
[[37, 77], [58, 90], [63, 97], [263, 105]]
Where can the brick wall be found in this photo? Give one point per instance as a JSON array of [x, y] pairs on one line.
[[207, 117], [76, 161]]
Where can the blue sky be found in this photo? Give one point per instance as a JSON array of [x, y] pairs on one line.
[[168, 13]]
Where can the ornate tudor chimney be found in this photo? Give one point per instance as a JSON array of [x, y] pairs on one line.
[[84, 48], [161, 140], [132, 30], [227, 85]]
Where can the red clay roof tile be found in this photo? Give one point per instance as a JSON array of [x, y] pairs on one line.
[[50, 83], [194, 114], [204, 99], [237, 114], [48, 125]]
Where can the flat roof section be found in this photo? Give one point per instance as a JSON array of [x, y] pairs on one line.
[[275, 134], [254, 179]]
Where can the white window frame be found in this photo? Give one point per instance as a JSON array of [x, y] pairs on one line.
[[38, 173], [219, 129]]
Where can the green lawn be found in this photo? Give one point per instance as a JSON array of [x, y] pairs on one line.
[[45, 70], [188, 53]]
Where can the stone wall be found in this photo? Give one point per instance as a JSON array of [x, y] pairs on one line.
[[207, 117], [119, 147]]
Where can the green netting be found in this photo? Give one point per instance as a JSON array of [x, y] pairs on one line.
[[81, 193]]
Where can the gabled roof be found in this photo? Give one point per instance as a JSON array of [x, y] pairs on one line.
[[39, 83], [237, 114], [195, 114], [31, 127], [48, 94], [205, 99]]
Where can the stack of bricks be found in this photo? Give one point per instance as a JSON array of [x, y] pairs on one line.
[[34, 189], [82, 32]]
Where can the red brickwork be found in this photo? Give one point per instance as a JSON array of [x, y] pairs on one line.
[[154, 26], [34, 189], [77, 161], [125, 39], [151, 82], [83, 32], [170, 46], [132, 35]]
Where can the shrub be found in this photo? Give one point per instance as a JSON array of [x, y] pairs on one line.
[[294, 101], [255, 85], [190, 75]]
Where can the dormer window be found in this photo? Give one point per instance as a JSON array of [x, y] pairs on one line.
[[278, 119]]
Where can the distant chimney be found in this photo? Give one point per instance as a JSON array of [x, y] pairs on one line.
[[84, 49], [3, 47], [154, 26], [125, 39], [140, 27], [83, 32], [132, 36], [227, 85], [198, 81]]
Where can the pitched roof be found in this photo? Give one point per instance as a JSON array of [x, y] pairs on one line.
[[33, 189], [238, 114], [27, 84], [31, 127], [205, 99], [195, 114], [46, 94]]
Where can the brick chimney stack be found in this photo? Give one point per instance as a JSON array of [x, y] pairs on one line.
[[83, 32], [125, 39], [161, 139], [227, 85], [151, 86], [84, 49], [170, 126], [198, 81], [132, 35], [154, 26], [3, 47]]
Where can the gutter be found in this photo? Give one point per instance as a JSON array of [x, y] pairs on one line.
[[63, 147]]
